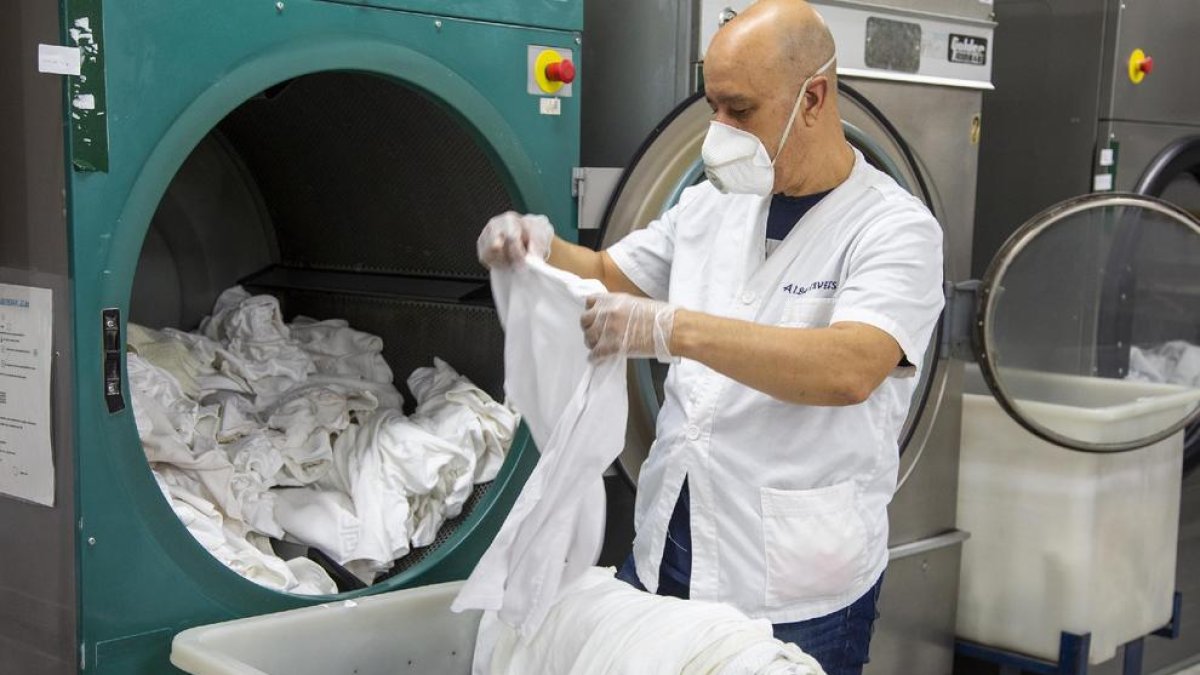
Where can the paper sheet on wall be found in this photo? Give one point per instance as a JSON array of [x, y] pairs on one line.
[[26, 347]]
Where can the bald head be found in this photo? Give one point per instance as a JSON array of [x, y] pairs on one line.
[[788, 34], [754, 71]]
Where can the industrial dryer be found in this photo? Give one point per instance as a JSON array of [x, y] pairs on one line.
[[342, 156]]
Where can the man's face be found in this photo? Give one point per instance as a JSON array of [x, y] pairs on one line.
[[746, 90]]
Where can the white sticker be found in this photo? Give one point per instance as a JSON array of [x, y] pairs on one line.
[[1106, 157], [26, 345], [550, 106], [84, 102], [1102, 182], [58, 60]]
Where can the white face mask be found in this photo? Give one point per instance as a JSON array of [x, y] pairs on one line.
[[737, 162]]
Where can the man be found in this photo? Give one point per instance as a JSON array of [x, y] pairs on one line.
[[794, 293]]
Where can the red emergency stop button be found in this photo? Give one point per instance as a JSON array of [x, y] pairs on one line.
[[561, 71], [1140, 65], [552, 70]]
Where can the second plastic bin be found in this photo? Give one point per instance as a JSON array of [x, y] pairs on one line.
[[1064, 540], [410, 631]]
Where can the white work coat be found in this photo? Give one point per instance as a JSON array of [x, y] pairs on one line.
[[788, 502]]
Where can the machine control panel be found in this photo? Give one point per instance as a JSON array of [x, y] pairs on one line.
[[550, 71], [891, 43]]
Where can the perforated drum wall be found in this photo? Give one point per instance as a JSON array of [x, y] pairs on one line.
[[468, 337], [363, 173]]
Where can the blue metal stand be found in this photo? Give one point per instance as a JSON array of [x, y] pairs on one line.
[[1072, 652]]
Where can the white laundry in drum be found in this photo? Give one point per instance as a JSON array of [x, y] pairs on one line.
[[256, 429]]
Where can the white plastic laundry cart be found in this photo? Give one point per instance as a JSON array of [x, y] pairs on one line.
[[409, 631], [1065, 541]]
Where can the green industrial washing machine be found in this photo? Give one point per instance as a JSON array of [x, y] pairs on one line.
[[340, 155]]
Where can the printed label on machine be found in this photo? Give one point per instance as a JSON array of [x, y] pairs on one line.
[[59, 60], [26, 345], [968, 49]]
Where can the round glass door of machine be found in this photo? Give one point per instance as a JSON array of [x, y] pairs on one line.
[[667, 164], [1088, 323]]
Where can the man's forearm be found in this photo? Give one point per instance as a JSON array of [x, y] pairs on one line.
[[588, 264], [578, 260], [839, 365]]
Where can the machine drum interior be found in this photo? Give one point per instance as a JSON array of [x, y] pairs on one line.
[[345, 196]]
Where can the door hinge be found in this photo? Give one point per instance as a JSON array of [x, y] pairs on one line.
[[593, 187], [959, 319]]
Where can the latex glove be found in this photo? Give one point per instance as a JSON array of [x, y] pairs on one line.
[[628, 326], [510, 236]]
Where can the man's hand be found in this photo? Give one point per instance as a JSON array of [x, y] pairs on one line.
[[509, 237], [628, 326]]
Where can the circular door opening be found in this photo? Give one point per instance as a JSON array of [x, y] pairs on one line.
[[1174, 176], [314, 250], [667, 164]]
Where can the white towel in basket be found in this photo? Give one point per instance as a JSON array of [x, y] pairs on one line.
[[604, 626]]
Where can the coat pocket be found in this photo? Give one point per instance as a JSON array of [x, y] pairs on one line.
[[815, 543], [807, 312]]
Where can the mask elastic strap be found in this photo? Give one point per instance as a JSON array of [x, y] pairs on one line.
[[787, 130]]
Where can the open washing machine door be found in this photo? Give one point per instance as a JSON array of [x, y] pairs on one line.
[[1085, 334], [668, 163], [1087, 323]]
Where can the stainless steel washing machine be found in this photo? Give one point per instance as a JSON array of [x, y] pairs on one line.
[[911, 103], [1097, 96]]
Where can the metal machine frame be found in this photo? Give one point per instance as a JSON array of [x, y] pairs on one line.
[[1072, 653], [38, 585]]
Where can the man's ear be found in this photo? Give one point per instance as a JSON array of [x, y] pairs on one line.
[[815, 99]]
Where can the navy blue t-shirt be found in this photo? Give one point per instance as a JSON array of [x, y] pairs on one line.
[[785, 213], [676, 571]]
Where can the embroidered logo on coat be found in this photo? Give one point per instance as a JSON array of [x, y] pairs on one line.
[[802, 289]]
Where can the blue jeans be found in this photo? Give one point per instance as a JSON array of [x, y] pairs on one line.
[[839, 641]]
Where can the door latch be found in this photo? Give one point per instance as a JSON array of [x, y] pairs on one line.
[[110, 327]]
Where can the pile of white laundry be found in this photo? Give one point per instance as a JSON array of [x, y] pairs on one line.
[[603, 625], [255, 429], [1174, 362]]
